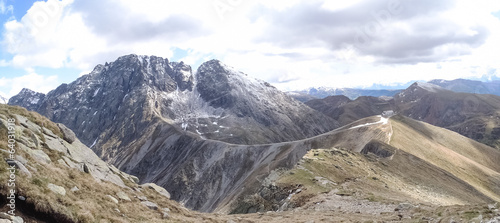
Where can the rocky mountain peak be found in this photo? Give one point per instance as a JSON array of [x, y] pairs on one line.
[[416, 91], [28, 98]]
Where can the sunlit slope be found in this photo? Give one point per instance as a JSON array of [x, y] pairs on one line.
[[466, 159]]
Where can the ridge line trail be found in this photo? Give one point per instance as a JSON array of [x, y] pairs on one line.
[[382, 121]]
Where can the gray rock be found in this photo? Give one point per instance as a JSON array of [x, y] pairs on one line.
[[123, 196], [404, 207], [150, 205], [157, 188], [165, 215], [62, 162], [20, 166], [37, 154], [55, 144], [74, 189], [5, 221], [142, 198], [27, 123], [48, 132], [111, 198], [18, 219], [68, 135], [134, 179], [57, 189], [21, 159]]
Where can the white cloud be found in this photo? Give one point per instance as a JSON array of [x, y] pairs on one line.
[[292, 44], [5, 9], [31, 80]]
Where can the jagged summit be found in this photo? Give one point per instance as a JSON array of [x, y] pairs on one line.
[[428, 86], [28, 98]]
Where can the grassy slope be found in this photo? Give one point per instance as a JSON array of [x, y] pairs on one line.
[[472, 162]]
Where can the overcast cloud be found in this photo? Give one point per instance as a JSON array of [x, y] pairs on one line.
[[291, 44]]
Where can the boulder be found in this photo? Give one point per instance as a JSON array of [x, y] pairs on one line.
[[113, 199], [68, 135], [165, 213], [403, 207], [36, 154], [18, 219], [57, 189], [157, 188], [123, 196], [19, 166], [74, 189], [150, 205]]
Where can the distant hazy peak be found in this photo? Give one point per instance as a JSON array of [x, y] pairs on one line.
[[429, 87]]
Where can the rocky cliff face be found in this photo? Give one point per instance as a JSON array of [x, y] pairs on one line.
[[155, 119], [59, 179]]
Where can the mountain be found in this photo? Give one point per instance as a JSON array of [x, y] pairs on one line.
[[469, 86], [473, 115], [154, 119], [351, 93], [58, 179], [346, 110]]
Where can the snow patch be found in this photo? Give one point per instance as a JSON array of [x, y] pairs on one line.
[[382, 121], [96, 92], [93, 144], [429, 87], [34, 101]]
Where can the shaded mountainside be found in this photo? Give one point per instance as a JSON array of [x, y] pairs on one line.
[[346, 111], [154, 119], [476, 116]]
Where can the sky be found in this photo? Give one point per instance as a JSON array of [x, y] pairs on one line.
[[291, 44]]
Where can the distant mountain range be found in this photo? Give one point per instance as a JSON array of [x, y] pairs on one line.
[[351, 93], [458, 85], [469, 86]]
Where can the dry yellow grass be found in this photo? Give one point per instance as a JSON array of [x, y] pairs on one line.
[[470, 161]]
